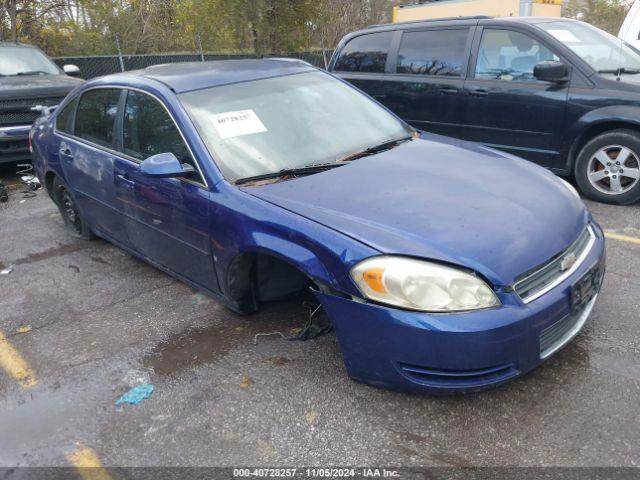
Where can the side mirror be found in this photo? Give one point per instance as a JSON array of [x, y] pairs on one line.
[[71, 70], [551, 71], [165, 165]]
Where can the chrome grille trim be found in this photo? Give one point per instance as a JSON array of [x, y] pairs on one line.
[[556, 336], [550, 275], [15, 130]]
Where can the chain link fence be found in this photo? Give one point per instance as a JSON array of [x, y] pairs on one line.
[[95, 66]]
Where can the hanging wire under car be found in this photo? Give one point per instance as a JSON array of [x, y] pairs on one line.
[[312, 328]]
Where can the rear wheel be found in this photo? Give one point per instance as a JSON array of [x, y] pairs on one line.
[[608, 168], [69, 210]]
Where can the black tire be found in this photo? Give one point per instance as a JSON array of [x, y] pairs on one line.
[[71, 216], [602, 175]]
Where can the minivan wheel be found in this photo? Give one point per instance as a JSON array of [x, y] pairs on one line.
[[608, 168], [71, 215]]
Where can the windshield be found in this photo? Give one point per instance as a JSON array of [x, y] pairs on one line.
[[264, 126], [25, 61], [604, 52]]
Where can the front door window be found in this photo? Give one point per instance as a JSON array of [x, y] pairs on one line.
[[508, 55]]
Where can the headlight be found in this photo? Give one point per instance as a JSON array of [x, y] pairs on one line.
[[419, 285], [571, 188]]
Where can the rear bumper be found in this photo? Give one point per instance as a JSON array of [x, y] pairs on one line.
[[14, 143], [448, 353]]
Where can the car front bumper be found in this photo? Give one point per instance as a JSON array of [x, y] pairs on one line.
[[14, 143], [447, 353]]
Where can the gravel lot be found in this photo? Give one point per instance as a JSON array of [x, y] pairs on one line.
[[90, 321]]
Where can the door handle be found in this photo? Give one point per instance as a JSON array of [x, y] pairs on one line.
[[122, 180], [479, 92], [449, 90], [65, 152]]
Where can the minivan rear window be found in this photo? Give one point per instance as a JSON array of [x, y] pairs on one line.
[[433, 52], [365, 53]]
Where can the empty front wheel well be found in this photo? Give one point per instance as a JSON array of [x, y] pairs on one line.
[[253, 278]]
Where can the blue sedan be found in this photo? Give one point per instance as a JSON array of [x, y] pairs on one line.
[[443, 266]]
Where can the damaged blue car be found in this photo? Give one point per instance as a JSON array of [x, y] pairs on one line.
[[443, 266]]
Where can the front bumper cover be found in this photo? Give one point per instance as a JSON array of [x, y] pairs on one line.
[[14, 143], [445, 353]]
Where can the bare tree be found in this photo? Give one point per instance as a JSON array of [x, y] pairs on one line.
[[605, 14], [339, 17]]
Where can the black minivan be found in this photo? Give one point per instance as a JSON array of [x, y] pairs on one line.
[[558, 92]]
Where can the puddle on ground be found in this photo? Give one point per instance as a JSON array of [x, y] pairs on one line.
[[53, 252], [35, 421], [194, 347], [198, 346]]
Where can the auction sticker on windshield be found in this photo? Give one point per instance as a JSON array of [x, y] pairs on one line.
[[235, 124]]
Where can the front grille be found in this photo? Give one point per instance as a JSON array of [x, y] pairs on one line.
[[541, 279], [18, 111], [18, 118], [458, 378], [556, 336], [27, 103]]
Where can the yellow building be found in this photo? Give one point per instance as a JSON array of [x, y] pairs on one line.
[[461, 8]]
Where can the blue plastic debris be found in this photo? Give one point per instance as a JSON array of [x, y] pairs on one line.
[[136, 394]]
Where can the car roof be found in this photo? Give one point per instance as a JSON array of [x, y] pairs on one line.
[[446, 22], [473, 20], [16, 44], [429, 21], [188, 76], [533, 20]]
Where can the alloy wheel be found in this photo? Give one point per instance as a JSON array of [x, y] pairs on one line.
[[614, 170]]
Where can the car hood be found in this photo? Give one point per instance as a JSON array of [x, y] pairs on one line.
[[445, 200], [30, 86]]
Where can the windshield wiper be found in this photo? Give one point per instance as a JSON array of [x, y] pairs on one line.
[[388, 145], [290, 172], [621, 71], [32, 72], [320, 167]]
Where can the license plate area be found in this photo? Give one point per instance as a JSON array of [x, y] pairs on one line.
[[587, 287]]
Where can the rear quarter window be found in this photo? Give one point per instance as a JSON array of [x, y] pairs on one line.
[[365, 53], [64, 119]]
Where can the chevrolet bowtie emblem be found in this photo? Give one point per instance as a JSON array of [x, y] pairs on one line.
[[568, 262]]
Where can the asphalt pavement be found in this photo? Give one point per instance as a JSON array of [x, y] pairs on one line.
[[82, 322]]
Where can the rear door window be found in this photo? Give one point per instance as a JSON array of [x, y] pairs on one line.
[[365, 53], [433, 52], [96, 116]]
